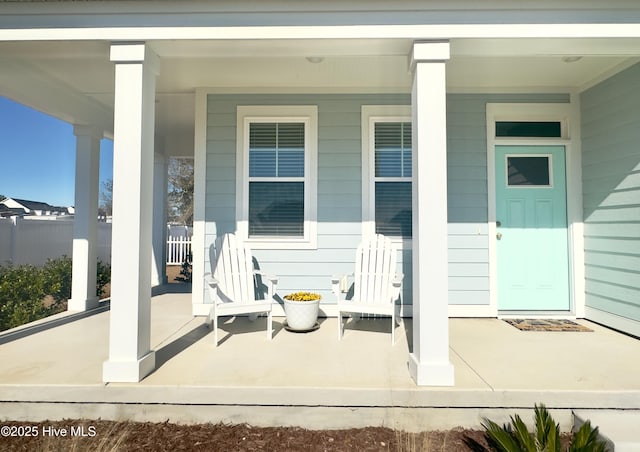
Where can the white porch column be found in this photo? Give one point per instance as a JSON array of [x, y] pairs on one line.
[[85, 221], [429, 363], [159, 236], [130, 357]]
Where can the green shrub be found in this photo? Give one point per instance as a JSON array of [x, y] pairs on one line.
[[57, 278], [515, 437], [104, 278], [21, 295], [29, 293]]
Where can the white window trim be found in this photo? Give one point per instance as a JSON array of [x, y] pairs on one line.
[[370, 114], [542, 112], [307, 114]]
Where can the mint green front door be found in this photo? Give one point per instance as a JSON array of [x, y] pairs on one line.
[[531, 220]]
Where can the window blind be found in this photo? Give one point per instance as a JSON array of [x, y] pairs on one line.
[[393, 167], [276, 209], [393, 149], [393, 209], [276, 150]]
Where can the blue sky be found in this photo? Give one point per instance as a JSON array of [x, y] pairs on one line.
[[37, 156]]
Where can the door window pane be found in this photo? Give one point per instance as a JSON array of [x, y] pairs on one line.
[[531, 171]]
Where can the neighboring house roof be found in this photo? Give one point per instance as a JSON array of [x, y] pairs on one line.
[[21, 206], [10, 211], [34, 205]]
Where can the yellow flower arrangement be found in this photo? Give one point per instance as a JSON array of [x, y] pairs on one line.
[[302, 296]]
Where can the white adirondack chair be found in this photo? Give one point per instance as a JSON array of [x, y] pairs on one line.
[[232, 286], [376, 283]]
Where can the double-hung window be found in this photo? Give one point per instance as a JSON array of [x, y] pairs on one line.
[[388, 166], [277, 184]]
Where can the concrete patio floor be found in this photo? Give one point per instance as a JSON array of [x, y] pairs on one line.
[[312, 379]]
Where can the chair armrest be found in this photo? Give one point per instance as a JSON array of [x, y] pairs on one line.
[[397, 285], [335, 286], [210, 280], [340, 284], [273, 280]]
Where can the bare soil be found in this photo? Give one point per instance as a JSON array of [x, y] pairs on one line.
[[88, 435], [173, 274]]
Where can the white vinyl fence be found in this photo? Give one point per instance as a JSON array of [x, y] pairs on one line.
[[178, 243], [178, 250], [33, 241]]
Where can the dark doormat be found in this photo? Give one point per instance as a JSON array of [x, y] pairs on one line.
[[547, 325]]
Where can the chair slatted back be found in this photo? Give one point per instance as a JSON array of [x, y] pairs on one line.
[[234, 269], [376, 260]]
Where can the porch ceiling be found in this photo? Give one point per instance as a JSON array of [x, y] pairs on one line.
[[46, 75]]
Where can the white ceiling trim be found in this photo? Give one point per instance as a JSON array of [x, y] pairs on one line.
[[30, 86], [607, 74], [436, 32]]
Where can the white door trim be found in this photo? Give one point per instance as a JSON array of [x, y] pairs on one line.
[[569, 116]]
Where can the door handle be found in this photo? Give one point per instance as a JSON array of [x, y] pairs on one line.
[[499, 235]]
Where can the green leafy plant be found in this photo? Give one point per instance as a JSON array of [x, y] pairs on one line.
[[56, 275], [103, 277], [21, 295], [515, 437], [186, 269], [586, 440], [29, 293]]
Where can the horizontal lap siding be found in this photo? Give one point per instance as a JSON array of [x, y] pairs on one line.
[[467, 201], [339, 185], [340, 190], [611, 186]]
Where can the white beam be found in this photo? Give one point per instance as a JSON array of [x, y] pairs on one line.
[[496, 29], [85, 222], [429, 363], [130, 356]]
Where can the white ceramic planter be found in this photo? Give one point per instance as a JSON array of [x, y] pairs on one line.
[[301, 315]]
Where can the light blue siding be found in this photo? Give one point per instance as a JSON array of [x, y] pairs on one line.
[[339, 185], [611, 193], [340, 189], [468, 192]]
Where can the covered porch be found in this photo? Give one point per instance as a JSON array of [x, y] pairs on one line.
[[313, 380], [154, 82]]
